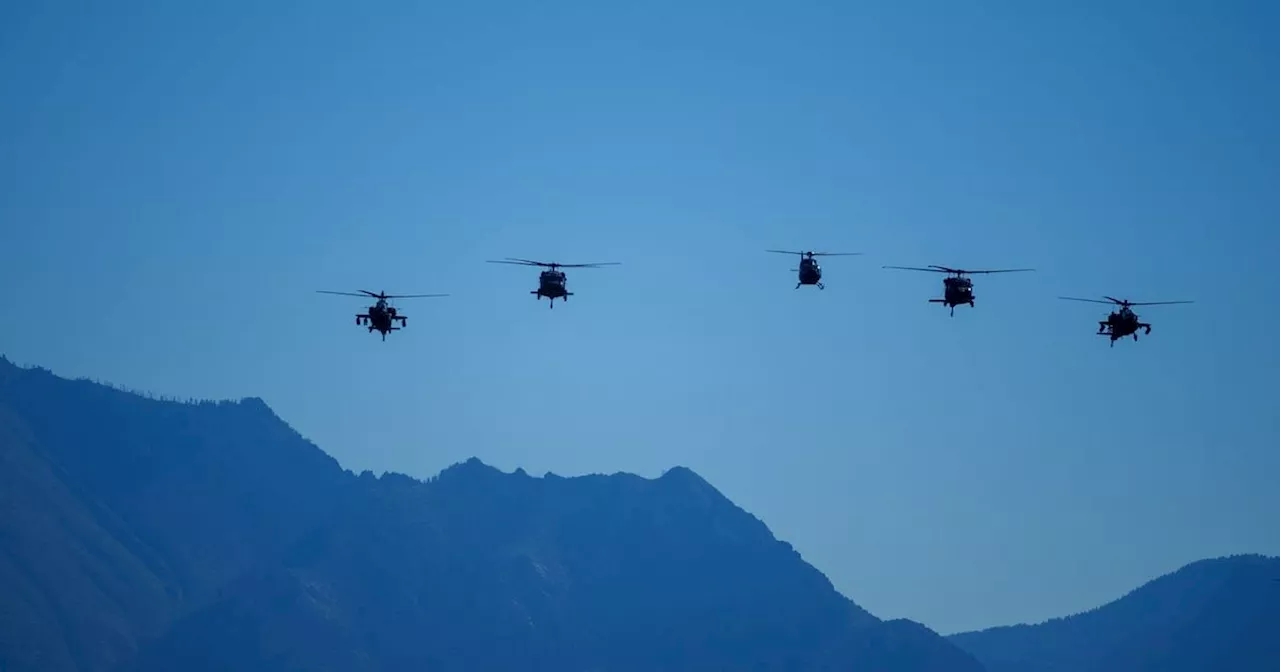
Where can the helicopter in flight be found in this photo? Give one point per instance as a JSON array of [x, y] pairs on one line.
[[956, 288], [810, 271], [1123, 322], [381, 316], [551, 282]]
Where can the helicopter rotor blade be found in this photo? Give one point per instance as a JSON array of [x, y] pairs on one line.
[[1126, 302], [917, 268], [818, 254], [1072, 298], [552, 264], [325, 291], [514, 262], [366, 293], [1003, 270]]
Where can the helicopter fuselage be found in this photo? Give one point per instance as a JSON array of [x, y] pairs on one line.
[[955, 292], [810, 272], [551, 284], [1120, 324], [381, 318]]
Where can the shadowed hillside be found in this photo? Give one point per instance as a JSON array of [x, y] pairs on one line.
[[117, 512], [1221, 614], [144, 535]]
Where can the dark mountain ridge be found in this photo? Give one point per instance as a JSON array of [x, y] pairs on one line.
[[140, 534], [1217, 614]]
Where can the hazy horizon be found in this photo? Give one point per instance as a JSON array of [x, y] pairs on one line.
[[180, 180]]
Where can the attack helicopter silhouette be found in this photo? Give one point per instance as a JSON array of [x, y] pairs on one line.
[[551, 282], [956, 288], [382, 316], [810, 271], [1122, 322]]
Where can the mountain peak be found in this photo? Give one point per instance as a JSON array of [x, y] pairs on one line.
[[681, 474]]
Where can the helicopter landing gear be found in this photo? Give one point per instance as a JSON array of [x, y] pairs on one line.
[[820, 285]]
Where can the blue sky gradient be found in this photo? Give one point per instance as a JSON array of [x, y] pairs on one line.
[[177, 180]]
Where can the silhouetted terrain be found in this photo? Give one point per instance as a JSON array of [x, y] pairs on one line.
[[146, 535], [1221, 614]]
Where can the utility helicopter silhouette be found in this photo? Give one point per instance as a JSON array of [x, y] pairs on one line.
[[381, 316], [551, 282], [1123, 322], [956, 288], [810, 271]]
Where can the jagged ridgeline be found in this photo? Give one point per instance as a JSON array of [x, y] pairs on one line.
[[141, 534]]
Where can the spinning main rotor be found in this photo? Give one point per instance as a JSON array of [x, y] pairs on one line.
[[381, 295], [958, 271], [810, 255], [553, 265], [1123, 303]]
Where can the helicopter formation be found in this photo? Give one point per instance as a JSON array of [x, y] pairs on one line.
[[957, 290]]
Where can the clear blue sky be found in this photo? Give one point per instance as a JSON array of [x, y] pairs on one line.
[[176, 182]]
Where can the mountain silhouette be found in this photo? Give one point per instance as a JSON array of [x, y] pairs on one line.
[[140, 535], [1219, 614]]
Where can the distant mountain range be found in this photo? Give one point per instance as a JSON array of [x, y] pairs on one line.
[[1221, 614], [140, 535]]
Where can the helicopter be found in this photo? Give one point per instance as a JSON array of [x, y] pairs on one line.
[[381, 315], [956, 288], [810, 271], [551, 282], [1123, 322]]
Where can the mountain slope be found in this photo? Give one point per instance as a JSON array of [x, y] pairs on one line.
[[118, 513], [478, 569], [1219, 614], [74, 585], [149, 535]]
